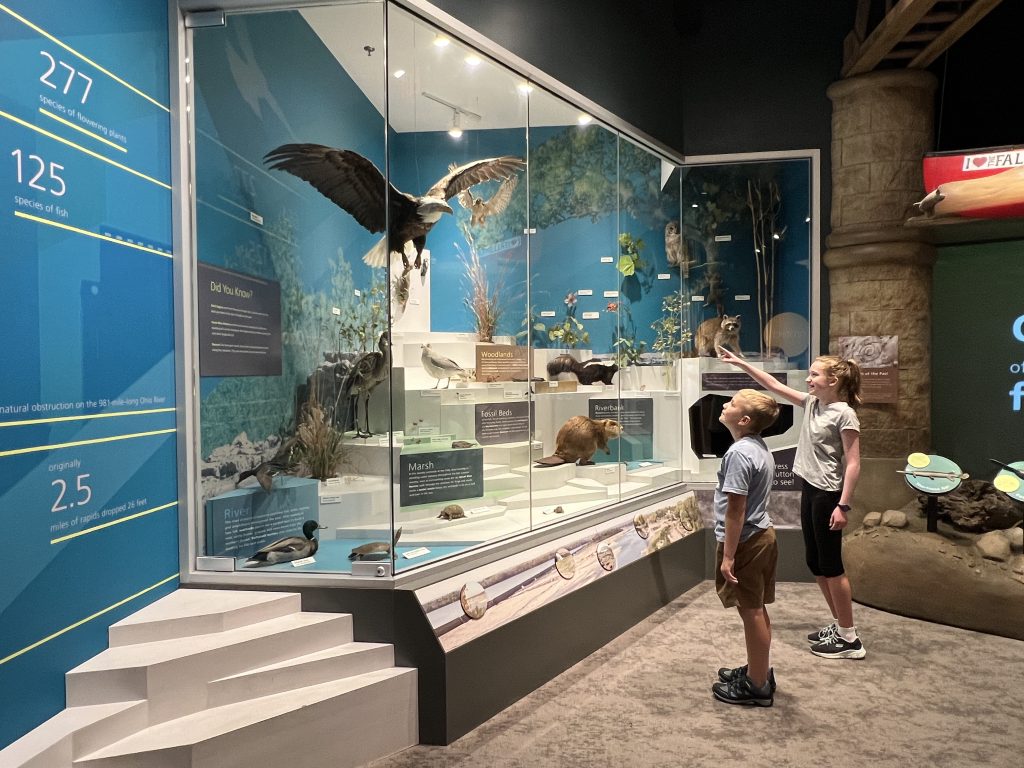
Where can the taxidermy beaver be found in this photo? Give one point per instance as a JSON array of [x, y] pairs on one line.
[[591, 371], [718, 332], [578, 440]]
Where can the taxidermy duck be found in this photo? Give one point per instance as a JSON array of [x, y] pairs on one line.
[[289, 548], [375, 550], [354, 184]]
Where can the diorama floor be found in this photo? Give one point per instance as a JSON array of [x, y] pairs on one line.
[[926, 695]]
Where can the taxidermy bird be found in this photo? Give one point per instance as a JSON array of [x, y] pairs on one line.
[[353, 183], [288, 549], [368, 371], [480, 208], [676, 250], [266, 471], [440, 367], [375, 550]]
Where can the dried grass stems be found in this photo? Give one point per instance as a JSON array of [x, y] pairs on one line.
[[481, 300], [765, 203], [320, 450]]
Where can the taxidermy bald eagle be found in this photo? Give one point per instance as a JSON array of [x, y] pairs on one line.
[[353, 183]]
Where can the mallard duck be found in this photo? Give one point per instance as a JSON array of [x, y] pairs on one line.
[[289, 548]]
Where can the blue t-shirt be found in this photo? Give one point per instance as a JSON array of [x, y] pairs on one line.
[[747, 469]]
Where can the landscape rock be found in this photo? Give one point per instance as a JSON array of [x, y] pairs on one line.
[[993, 546], [872, 519], [894, 518]]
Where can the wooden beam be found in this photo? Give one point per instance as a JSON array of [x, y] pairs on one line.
[[860, 19], [903, 17], [922, 37], [953, 32]]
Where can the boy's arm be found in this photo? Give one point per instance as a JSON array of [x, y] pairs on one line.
[[766, 380], [735, 512]]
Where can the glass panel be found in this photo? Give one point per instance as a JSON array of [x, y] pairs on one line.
[[462, 405], [574, 287], [648, 342], [290, 317], [748, 227]]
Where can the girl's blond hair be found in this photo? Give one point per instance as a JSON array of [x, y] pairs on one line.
[[847, 373]]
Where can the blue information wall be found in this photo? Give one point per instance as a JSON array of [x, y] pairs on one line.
[[88, 485]]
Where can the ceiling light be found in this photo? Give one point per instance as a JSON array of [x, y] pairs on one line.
[[441, 41], [807, 220], [398, 73], [584, 118], [456, 130], [473, 60], [694, 205], [525, 88]]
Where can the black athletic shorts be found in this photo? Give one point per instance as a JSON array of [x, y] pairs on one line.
[[824, 547]]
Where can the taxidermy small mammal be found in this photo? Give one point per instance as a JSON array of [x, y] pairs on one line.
[[717, 332], [579, 439], [587, 373]]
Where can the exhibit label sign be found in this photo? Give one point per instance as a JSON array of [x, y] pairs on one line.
[[719, 381], [501, 362], [240, 522], [878, 358], [506, 422], [239, 324], [635, 414], [426, 478]]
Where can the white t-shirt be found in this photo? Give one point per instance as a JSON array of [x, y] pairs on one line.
[[819, 451]]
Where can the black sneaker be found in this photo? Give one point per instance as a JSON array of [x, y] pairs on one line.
[[835, 647], [823, 634], [742, 691], [727, 675]]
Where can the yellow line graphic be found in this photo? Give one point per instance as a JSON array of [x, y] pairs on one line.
[[90, 134], [56, 419], [84, 58], [112, 522], [77, 624], [94, 441], [87, 233], [80, 148]]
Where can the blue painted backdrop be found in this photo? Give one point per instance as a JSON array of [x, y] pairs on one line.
[[88, 487]]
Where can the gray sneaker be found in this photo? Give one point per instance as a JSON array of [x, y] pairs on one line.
[[823, 634], [727, 675], [835, 647]]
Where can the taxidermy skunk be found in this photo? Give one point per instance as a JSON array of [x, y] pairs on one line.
[[591, 371]]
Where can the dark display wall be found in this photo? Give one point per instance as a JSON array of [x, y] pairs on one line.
[[978, 355], [88, 486]]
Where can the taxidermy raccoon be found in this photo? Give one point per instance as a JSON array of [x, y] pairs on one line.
[[591, 371], [721, 331]]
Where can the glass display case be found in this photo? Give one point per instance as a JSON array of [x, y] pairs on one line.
[[440, 305]]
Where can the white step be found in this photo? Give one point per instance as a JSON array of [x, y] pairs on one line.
[[172, 674], [608, 474], [553, 497], [187, 612], [507, 481], [493, 470], [513, 454], [335, 663], [656, 475], [543, 478], [75, 731], [343, 723]]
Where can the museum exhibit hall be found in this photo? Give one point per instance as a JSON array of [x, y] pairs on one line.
[[370, 365]]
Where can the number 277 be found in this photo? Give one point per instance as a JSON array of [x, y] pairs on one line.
[[44, 78]]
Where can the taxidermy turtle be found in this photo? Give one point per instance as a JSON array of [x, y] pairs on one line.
[[452, 512], [375, 550]]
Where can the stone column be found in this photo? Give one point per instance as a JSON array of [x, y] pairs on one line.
[[879, 271]]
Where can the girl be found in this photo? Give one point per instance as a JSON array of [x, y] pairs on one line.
[[828, 462]]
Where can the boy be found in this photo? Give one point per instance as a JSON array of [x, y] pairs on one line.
[[747, 552]]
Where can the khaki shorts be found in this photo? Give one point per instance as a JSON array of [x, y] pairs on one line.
[[756, 559]]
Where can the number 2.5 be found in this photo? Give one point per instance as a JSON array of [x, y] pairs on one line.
[[83, 489]]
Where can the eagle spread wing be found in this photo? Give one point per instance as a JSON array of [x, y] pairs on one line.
[[465, 176], [344, 177]]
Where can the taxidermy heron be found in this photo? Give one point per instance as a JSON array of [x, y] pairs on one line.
[[353, 183], [368, 371]]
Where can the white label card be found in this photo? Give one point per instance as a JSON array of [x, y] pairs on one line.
[[335, 310], [418, 552], [464, 395], [607, 260], [611, 294], [255, 218], [591, 315], [723, 238], [664, 276], [696, 298], [357, 292], [547, 313], [742, 297], [303, 561], [585, 292]]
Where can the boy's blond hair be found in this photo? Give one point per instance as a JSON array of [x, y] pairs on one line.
[[761, 408]]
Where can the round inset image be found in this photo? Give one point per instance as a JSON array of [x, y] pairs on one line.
[[606, 556], [565, 563], [642, 525], [474, 600], [918, 460]]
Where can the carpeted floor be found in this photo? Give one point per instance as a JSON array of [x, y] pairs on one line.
[[926, 695]]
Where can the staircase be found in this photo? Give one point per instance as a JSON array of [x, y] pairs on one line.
[[226, 679]]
